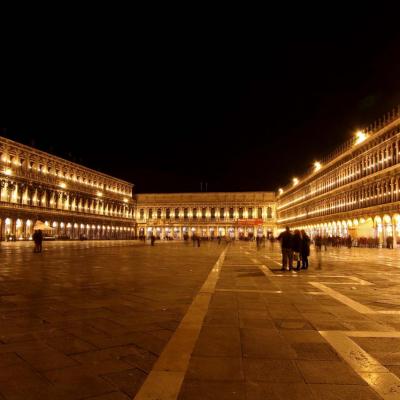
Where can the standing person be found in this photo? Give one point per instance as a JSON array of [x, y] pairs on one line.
[[35, 241], [286, 239], [318, 242], [219, 239], [305, 249], [296, 247], [198, 241], [152, 239], [38, 238]]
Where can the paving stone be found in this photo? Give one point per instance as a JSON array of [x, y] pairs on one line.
[[208, 390], [215, 368], [343, 392], [278, 391], [283, 371], [335, 372], [218, 341], [265, 343]]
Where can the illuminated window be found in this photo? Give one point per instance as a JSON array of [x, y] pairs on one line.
[[213, 213]]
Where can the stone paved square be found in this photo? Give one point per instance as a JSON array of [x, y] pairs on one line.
[[115, 320]]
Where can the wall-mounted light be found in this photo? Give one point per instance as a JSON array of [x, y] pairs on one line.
[[360, 137], [317, 166], [295, 181]]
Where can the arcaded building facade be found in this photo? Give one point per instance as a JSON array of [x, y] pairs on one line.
[[355, 191], [72, 200], [209, 215]]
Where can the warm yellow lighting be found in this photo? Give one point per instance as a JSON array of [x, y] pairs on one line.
[[280, 190], [295, 181], [7, 171], [125, 200], [62, 185], [317, 166], [99, 194], [360, 137]]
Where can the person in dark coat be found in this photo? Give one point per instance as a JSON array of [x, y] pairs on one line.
[[286, 238], [296, 247], [305, 249], [38, 239]]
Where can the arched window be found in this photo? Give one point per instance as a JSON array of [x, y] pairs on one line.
[[159, 213]]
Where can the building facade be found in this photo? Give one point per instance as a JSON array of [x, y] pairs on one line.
[[355, 191], [72, 200], [236, 215]]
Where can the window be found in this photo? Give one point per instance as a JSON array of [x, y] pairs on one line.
[[150, 213], [141, 213], [176, 213], [222, 213], [203, 213], [259, 213], [185, 213], [231, 213], [167, 213], [240, 212], [269, 212], [213, 213], [250, 213], [159, 213], [194, 213]]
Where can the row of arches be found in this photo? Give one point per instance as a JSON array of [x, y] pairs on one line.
[[33, 166], [39, 196], [22, 228], [204, 213], [375, 193], [379, 227], [377, 155]]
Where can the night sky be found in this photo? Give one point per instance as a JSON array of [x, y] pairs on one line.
[[248, 124]]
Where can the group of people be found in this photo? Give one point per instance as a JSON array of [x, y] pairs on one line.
[[295, 247]]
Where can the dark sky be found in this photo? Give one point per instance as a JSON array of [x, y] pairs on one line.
[[251, 123]]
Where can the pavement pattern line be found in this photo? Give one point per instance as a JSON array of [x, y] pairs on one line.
[[252, 291], [165, 379], [355, 305], [378, 377]]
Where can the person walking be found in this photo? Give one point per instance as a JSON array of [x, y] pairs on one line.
[[286, 239], [296, 247], [305, 249]]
